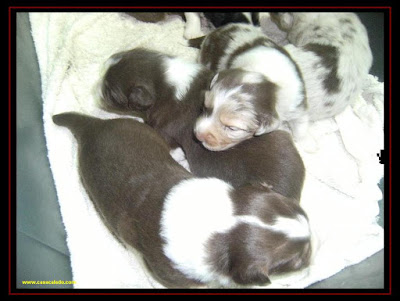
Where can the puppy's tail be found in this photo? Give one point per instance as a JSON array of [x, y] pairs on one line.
[[75, 122], [196, 43]]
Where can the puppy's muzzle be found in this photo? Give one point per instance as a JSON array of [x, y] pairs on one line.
[[206, 137]]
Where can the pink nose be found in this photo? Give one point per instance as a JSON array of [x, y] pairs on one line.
[[206, 137]]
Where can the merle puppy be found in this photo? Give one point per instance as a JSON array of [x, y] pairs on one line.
[[191, 232], [257, 86], [170, 92], [334, 56], [331, 55]]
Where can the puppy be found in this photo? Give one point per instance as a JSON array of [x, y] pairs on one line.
[[191, 232], [260, 86], [215, 20], [170, 92], [333, 53]]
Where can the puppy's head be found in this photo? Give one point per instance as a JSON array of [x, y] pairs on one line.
[[130, 80], [272, 236], [239, 105]]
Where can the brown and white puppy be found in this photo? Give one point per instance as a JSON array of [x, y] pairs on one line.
[[170, 92], [233, 111], [268, 87], [191, 232]]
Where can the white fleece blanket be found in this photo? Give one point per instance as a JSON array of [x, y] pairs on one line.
[[340, 193]]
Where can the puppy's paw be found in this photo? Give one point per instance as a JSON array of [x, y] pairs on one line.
[[193, 26], [192, 32]]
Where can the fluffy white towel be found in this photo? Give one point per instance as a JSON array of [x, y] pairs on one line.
[[340, 193]]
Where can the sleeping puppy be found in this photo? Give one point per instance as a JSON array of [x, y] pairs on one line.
[[215, 20], [333, 54], [191, 232], [170, 92], [258, 85]]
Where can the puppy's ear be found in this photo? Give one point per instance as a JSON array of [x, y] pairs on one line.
[[268, 123], [140, 98]]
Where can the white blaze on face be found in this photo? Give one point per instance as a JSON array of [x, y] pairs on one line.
[[231, 118]]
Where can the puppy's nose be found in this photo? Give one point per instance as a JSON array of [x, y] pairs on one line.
[[207, 137], [200, 136], [210, 139]]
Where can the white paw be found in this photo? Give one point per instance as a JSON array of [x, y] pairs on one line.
[[192, 32], [192, 26]]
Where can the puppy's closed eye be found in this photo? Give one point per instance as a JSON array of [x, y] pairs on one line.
[[236, 129], [140, 98], [233, 128]]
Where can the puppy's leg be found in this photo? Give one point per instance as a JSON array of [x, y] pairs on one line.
[[301, 134], [179, 156], [193, 26]]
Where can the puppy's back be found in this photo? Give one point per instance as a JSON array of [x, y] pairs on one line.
[[121, 144], [270, 158], [220, 47], [127, 171]]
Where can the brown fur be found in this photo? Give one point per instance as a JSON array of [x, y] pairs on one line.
[[119, 162], [128, 172], [259, 252], [271, 158]]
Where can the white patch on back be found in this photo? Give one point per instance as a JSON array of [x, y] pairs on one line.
[[194, 210], [180, 74]]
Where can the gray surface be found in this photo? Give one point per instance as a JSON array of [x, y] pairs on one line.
[[42, 253], [39, 262], [368, 274]]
